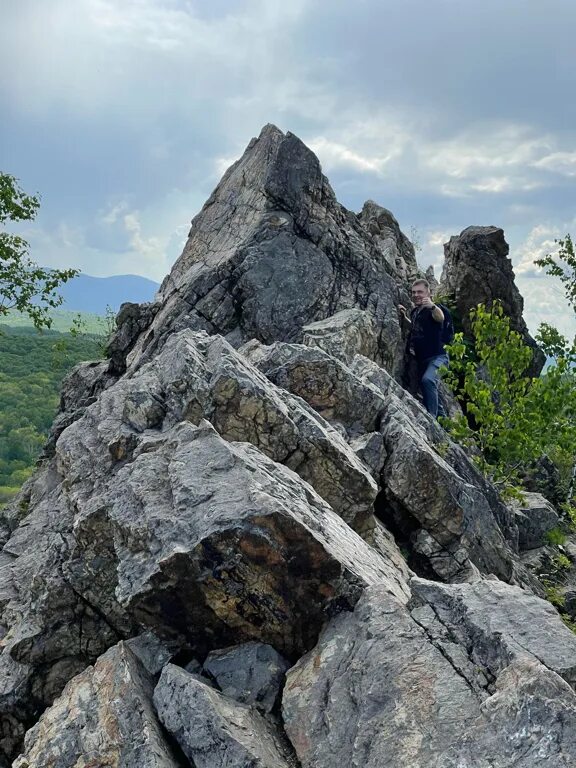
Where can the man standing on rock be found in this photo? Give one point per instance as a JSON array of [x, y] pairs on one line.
[[430, 325]]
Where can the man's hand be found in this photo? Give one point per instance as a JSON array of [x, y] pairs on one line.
[[404, 315], [437, 313]]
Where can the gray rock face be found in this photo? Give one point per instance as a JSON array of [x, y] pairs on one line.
[[215, 498], [252, 673], [213, 730], [145, 521], [386, 686], [345, 334], [131, 321], [104, 717], [197, 377], [203, 377], [227, 530], [80, 389], [461, 519], [535, 517], [500, 622], [151, 651], [392, 242], [49, 632], [272, 251], [477, 270]]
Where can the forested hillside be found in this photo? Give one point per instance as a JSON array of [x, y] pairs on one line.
[[32, 366]]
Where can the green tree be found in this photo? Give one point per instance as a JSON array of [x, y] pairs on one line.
[[24, 285], [563, 266], [510, 419]]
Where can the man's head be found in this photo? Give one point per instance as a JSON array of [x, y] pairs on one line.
[[420, 291]]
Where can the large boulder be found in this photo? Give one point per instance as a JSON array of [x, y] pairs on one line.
[[438, 685], [211, 542], [214, 731], [477, 270], [272, 251], [104, 717], [535, 518]]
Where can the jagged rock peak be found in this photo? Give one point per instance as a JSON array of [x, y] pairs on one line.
[[396, 247], [477, 270], [272, 251]]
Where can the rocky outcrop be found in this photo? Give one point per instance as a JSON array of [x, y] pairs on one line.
[[535, 517], [245, 486], [396, 248], [131, 322], [272, 251], [477, 270], [450, 527]]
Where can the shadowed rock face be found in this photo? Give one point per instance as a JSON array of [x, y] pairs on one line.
[[477, 270], [273, 250], [221, 499]]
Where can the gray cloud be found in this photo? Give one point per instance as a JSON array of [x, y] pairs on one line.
[[124, 114]]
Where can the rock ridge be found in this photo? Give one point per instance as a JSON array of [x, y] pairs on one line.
[[248, 545]]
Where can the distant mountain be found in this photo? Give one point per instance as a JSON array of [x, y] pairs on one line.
[[94, 294]]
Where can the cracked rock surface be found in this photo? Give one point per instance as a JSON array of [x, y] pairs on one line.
[[462, 521], [390, 686], [246, 545], [104, 717]]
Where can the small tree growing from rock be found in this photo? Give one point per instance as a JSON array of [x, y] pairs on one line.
[[510, 419]]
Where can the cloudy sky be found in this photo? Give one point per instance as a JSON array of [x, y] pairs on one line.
[[123, 114]]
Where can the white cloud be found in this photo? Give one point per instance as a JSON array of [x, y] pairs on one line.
[[114, 212], [539, 242], [563, 163], [150, 249], [141, 57], [335, 155]]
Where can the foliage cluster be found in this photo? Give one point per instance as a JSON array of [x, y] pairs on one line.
[[511, 419], [563, 266], [24, 285], [32, 367]]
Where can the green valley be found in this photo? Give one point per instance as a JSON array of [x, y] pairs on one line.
[[32, 366]]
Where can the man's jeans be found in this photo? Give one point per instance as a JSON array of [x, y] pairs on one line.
[[428, 372]]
